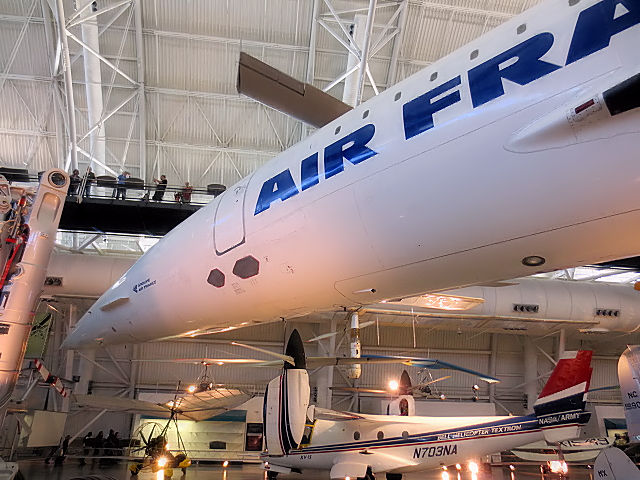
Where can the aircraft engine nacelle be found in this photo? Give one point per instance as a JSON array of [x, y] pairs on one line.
[[286, 401], [404, 405]]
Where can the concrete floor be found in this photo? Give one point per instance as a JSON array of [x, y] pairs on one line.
[[37, 470]]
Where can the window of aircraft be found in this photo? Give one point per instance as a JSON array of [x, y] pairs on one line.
[[246, 267], [380, 435], [356, 435], [405, 434], [397, 97], [521, 28], [338, 129], [434, 75], [607, 312], [474, 54], [365, 114], [216, 278]]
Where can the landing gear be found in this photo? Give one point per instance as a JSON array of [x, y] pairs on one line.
[[394, 476], [272, 475]]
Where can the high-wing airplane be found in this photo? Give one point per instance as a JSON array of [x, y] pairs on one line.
[[301, 437], [513, 155]]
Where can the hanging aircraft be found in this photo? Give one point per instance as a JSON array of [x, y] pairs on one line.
[[350, 445], [513, 155]]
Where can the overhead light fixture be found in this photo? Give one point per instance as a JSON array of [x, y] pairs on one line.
[[393, 385], [533, 261], [443, 396], [191, 389], [225, 464]]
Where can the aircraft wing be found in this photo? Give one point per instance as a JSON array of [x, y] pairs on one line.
[[197, 406], [430, 363], [120, 404], [434, 364]]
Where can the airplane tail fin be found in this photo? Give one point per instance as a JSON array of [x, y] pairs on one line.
[[629, 377], [560, 408], [286, 402]]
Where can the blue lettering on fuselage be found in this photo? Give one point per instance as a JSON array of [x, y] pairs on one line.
[[485, 80], [435, 451], [521, 64]]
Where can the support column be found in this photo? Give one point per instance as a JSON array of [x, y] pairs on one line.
[[68, 361], [493, 360], [68, 85], [358, 29], [85, 371], [392, 76], [364, 54], [325, 377], [57, 114], [93, 89], [562, 344], [142, 105], [530, 373]]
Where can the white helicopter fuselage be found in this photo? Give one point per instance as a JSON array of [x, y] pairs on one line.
[[505, 158]]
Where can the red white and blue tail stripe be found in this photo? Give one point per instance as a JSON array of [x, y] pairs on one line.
[[560, 408]]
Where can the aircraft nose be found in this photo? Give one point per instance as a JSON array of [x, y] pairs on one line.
[[81, 336]]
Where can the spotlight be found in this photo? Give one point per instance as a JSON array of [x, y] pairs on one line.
[[558, 466], [443, 396], [473, 467], [393, 385], [162, 462], [475, 388], [191, 389], [225, 464]]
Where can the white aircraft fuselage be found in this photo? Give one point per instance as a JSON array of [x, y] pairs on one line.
[[515, 154], [410, 444]]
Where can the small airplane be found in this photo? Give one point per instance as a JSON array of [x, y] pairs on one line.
[[301, 437], [492, 163]]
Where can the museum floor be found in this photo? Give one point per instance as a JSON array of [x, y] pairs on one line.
[[37, 470]]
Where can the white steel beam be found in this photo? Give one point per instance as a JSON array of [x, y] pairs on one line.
[[392, 76], [142, 105], [365, 49], [68, 85], [101, 57]]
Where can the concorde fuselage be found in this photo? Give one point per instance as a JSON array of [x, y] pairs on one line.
[[523, 143]]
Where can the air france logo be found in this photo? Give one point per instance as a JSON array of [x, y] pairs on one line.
[[138, 287], [521, 64]]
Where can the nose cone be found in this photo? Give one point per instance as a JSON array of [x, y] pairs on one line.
[[84, 334], [104, 323]]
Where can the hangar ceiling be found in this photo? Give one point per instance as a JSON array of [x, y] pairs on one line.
[[170, 66]]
